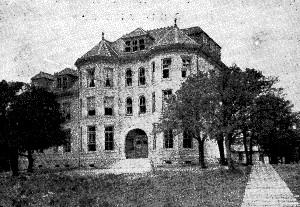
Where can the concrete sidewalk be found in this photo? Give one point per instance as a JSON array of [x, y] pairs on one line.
[[266, 188]]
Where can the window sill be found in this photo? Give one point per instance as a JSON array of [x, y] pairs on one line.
[[110, 151], [166, 79], [128, 115]]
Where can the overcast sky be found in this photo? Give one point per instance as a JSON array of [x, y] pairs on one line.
[[49, 35]]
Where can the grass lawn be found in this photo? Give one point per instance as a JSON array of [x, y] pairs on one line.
[[161, 188], [290, 173]]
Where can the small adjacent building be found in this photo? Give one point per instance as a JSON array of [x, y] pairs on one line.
[[113, 101]]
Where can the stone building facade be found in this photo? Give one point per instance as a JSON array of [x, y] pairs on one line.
[[114, 99]]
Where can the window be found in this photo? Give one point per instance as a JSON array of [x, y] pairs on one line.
[[128, 106], [142, 44], [91, 106], [168, 138], [91, 138], [142, 104], [153, 102], [204, 39], [67, 145], [108, 105], [127, 46], [109, 138], [66, 110], [186, 65], [142, 78], [91, 77], [65, 82], [128, 77], [153, 72], [154, 135], [166, 95], [134, 45], [166, 65], [187, 140], [108, 75], [59, 84]]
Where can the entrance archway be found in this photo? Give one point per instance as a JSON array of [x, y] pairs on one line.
[[136, 144]]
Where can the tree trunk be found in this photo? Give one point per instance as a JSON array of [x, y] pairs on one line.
[[245, 146], [201, 153], [220, 142], [30, 161], [228, 152], [251, 150], [14, 161]]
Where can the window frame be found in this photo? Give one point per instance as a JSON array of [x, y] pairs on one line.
[[66, 109], [128, 78], [105, 104], [68, 147], [107, 78], [91, 110], [142, 76], [166, 66], [185, 66], [109, 138], [187, 141], [91, 138], [142, 105], [129, 106], [168, 139], [91, 78]]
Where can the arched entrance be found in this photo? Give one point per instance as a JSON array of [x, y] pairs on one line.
[[136, 144]]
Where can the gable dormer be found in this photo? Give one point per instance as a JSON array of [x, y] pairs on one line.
[[137, 40]]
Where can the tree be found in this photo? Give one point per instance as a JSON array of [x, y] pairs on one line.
[[273, 122], [193, 109], [35, 123], [8, 92]]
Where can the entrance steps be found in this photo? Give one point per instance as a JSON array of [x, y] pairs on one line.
[[141, 165]]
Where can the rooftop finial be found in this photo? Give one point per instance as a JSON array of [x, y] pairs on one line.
[[103, 35], [175, 22]]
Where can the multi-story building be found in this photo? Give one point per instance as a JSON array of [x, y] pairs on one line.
[[114, 100]]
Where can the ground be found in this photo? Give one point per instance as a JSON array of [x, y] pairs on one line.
[[290, 173], [191, 187]]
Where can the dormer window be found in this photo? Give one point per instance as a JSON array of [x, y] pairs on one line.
[[59, 84], [127, 47], [65, 82], [135, 45], [142, 44]]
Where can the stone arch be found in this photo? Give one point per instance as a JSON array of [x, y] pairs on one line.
[[136, 144]]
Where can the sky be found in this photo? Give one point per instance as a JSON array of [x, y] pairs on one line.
[[49, 35]]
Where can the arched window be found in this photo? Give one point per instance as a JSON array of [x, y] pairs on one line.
[[128, 106], [128, 77], [142, 104], [142, 78]]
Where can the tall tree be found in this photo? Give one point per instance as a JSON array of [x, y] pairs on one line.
[[35, 122], [8, 92], [273, 122], [193, 109]]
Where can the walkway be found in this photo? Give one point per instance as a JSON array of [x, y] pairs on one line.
[[266, 188]]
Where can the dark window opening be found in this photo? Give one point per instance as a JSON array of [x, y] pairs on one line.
[[67, 145], [134, 45], [142, 44], [108, 74], [91, 106], [186, 65], [91, 138], [129, 106], [128, 77], [166, 67], [109, 138], [142, 78], [91, 78], [187, 140], [108, 106], [66, 111], [142, 105], [168, 136]]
